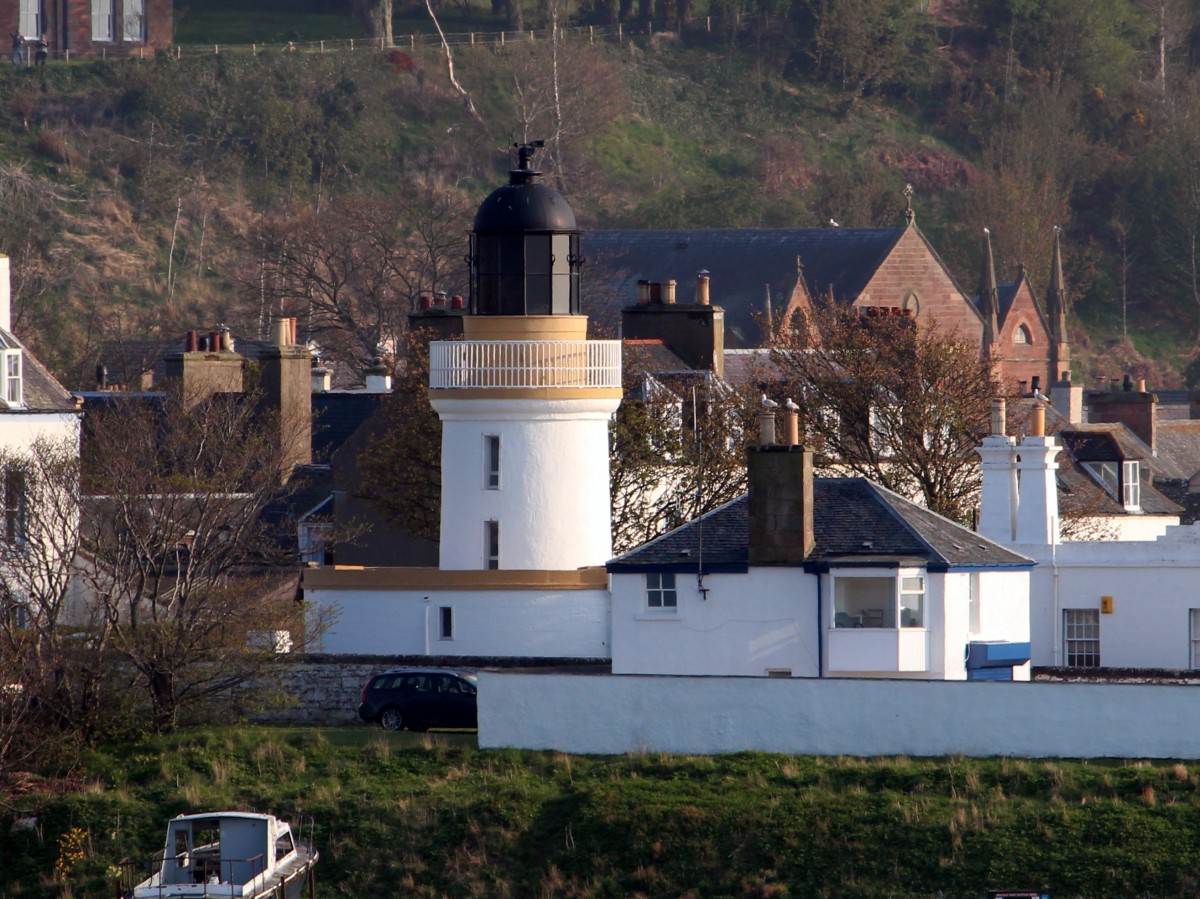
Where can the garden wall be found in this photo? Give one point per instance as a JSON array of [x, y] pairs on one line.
[[713, 715]]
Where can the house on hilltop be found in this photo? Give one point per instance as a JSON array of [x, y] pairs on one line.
[[93, 28]]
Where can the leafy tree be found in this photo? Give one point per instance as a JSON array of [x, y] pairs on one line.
[[883, 398]]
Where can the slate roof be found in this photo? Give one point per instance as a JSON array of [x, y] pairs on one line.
[[855, 521], [1178, 443], [42, 392], [649, 355], [742, 262], [335, 416]]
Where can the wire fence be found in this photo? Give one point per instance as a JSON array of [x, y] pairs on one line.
[[591, 34]]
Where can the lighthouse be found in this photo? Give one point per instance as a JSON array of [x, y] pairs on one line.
[[525, 399]]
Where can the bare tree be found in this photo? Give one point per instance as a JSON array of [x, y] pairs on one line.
[[884, 398], [177, 551], [353, 272]]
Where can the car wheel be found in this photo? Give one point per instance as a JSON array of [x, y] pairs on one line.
[[391, 718]]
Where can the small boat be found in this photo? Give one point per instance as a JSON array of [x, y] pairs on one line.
[[219, 854]]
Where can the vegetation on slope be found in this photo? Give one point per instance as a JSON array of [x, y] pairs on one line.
[[431, 816], [139, 192]]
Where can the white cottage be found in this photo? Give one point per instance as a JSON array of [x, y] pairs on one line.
[[821, 577]]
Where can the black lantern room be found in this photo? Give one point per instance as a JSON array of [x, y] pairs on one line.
[[525, 248]]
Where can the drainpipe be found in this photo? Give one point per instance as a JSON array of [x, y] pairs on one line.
[[820, 628]]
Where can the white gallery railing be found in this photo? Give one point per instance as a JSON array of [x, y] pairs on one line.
[[524, 363]]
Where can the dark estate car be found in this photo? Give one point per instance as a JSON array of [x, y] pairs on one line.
[[420, 698]]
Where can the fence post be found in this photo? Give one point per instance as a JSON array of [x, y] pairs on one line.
[[591, 35], [531, 34], [501, 38], [620, 34], [322, 46], [708, 23], [472, 38], [351, 43], [254, 49], [216, 49], [412, 42]]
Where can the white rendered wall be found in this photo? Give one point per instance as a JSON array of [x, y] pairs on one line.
[[765, 618], [1153, 585], [553, 504], [710, 715], [539, 623], [19, 430]]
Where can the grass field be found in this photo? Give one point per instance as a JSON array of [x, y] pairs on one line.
[[431, 815]]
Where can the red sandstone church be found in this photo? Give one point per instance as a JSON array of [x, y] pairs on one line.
[[761, 274], [92, 28]]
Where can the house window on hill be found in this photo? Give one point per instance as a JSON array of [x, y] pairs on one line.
[[102, 20], [30, 18], [1022, 335], [133, 22], [660, 591], [1081, 638], [14, 387]]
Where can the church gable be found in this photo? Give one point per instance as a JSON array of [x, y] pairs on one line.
[[913, 277], [1024, 338]]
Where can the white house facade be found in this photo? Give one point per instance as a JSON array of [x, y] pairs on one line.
[[820, 577]]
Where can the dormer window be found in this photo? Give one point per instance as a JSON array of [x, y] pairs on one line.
[[1131, 485], [14, 389]]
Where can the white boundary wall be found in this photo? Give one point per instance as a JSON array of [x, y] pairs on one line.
[[712, 715]]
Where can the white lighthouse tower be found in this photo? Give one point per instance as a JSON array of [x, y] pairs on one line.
[[525, 399]]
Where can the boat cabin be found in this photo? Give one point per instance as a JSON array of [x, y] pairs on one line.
[[228, 848]]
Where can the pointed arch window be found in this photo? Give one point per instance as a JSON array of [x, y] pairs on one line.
[[1022, 335]]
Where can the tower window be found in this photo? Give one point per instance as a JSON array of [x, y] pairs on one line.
[[492, 543], [446, 622], [491, 453], [1022, 335]]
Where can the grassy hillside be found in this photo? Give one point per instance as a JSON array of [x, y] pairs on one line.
[[431, 816], [143, 195]]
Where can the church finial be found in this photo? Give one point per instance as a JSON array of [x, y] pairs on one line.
[[1056, 293], [909, 215], [989, 295]]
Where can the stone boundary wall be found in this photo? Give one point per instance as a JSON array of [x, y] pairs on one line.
[[324, 690]]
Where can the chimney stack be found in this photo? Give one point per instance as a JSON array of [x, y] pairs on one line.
[[378, 379], [287, 393], [1136, 409], [1067, 399], [998, 490], [780, 504], [766, 428], [202, 369]]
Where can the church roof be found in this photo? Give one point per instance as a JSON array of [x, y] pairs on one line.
[[855, 521], [743, 263]]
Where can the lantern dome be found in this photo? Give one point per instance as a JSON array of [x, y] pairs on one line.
[[525, 248]]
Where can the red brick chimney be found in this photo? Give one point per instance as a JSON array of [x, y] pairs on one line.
[[1132, 405]]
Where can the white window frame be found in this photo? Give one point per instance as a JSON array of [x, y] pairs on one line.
[[102, 21], [661, 593], [1194, 638], [133, 21], [889, 613], [1081, 638], [14, 379], [491, 544], [30, 18], [445, 622], [1131, 485], [491, 461]]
